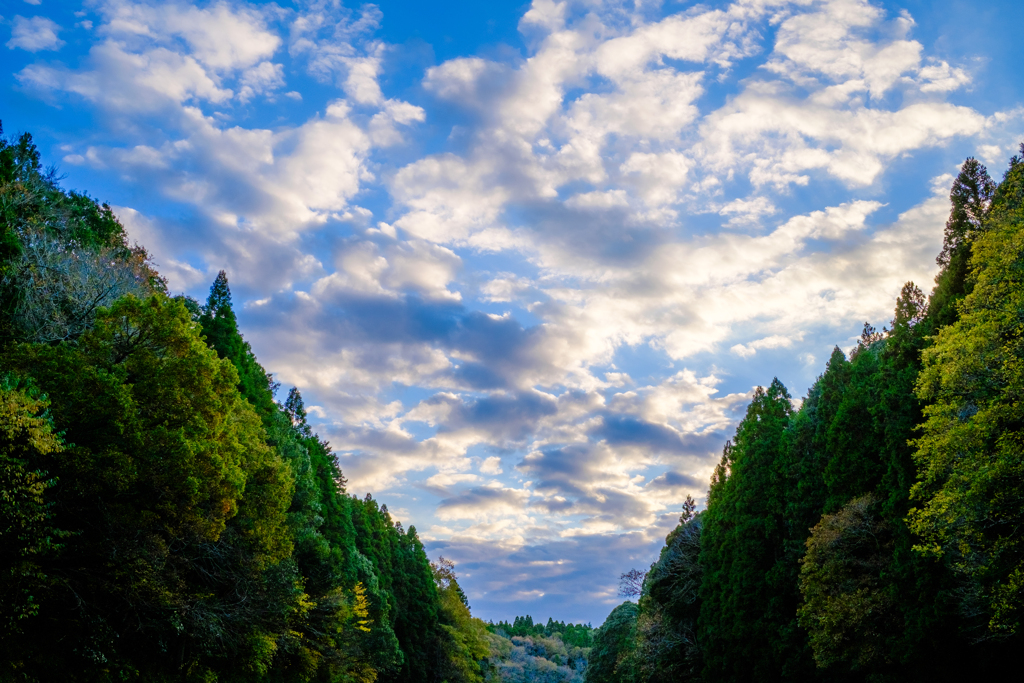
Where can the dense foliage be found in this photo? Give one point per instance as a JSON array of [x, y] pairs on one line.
[[162, 516], [874, 533], [525, 652]]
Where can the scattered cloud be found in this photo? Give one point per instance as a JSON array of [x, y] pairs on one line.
[[34, 34]]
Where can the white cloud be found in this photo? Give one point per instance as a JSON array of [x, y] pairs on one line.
[[34, 34], [264, 77], [775, 341], [491, 465], [128, 82], [155, 54], [941, 77], [835, 42], [742, 211], [221, 37]]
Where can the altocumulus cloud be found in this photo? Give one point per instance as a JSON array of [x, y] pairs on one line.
[[531, 331]]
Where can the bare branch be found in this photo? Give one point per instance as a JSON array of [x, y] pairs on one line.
[[631, 584]]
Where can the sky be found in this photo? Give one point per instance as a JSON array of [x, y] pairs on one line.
[[526, 262]]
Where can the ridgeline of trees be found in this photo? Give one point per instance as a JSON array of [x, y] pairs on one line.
[[876, 532]]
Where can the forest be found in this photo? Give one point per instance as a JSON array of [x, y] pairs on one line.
[[873, 530], [164, 518]]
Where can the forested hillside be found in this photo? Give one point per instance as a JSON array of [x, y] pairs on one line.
[[873, 531], [164, 518]]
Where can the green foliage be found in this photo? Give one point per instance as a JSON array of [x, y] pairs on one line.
[[462, 639], [573, 635], [176, 504], [747, 622], [27, 535], [852, 449], [828, 489], [62, 255], [849, 607], [534, 658], [163, 518], [666, 647], [335, 575], [610, 656], [30, 195], [220, 327], [971, 506], [971, 197]]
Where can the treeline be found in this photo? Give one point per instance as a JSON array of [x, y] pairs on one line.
[[162, 517], [574, 635], [534, 659], [525, 652], [876, 531]]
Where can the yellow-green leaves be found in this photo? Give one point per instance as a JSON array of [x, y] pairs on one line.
[[177, 502], [971, 451], [25, 530]]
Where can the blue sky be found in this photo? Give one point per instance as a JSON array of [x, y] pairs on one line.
[[527, 261]]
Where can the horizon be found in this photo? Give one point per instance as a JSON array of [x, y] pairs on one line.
[[527, 266]]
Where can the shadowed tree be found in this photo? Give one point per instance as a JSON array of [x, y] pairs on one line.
[[747, 624]]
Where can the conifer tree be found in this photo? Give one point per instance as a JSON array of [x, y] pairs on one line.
[[220, 327], [747, 624], [971, 197], [174, 502]]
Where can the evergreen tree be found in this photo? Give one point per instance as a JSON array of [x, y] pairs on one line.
[[610, 657], [747, 624], [666, 648], [220, 327], [971, 197]]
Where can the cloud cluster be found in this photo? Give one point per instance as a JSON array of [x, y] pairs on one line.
[[569, 579], [176, 76], [34, 34]]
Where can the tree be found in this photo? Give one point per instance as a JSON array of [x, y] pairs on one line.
[[970, 493], [462, 640], [631, 583], [849, 607], [666, 648], [27, 535], [220, 327], [62, 255], [971, 198], [57, 287], [747, 624], [180, 555], [612, 645]]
